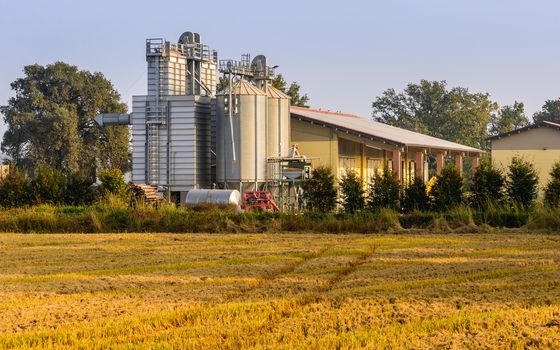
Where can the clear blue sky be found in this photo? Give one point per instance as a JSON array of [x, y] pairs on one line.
[[343, 53]]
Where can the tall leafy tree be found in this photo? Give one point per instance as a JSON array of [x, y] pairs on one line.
[[509, 118], [522, 182], [550, 111], [384, 190], [352, 192], [297, 99], [50, 121], [552, 189], [431, 108], [320, 191]]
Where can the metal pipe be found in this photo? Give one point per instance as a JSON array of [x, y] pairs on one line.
[[168, 160], [230, 120], [256, 144]]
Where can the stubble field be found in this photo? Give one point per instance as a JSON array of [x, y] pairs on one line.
[[499, 290]]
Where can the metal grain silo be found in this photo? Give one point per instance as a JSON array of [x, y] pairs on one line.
[[278, 122], [241, 136]]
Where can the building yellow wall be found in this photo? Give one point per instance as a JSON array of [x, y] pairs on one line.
[[542, 159], [533, 139], [4, 171], [316, 141], [541, 146]]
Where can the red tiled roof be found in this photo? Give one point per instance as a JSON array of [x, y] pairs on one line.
[[325, 112]]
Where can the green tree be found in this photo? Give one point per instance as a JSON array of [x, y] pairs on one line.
[[296, 98], [448, 189], [319, 191], [384, 190], [488, 186], [550, 111], [509, 118], [552, 189], [14, 189], [522, 183], [223, 83], [112, 182], [352, 192], [48, 186], [78, 189], [429, 107], [415, 197], [50, 121]]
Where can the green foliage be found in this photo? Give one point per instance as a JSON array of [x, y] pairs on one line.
[[550, 111], [414, 197], [352, 192], [509, 118], [488, 186], [384, 191], [448, 189], [78, 189], [112, 183], [522, 183], [320, 191], [296, 98], [14, 189], [223, 83], [501, 216], [50, 121], [429, 107], [552, 189], [48, 186]]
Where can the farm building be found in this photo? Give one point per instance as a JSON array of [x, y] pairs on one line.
[[188, 135], [349, 142], [538, 143]]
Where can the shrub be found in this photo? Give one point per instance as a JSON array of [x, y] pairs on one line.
[[417, 219], [352, 192], [320, 191], [112, 182], [78, 190], [415, 197], [14, 190], [545, 219], [501, 216], [488, 186], [522, 183], [552, 190], [384, 190], [48, 186], [448, 189]]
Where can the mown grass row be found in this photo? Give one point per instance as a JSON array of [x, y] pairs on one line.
[[114, 217]]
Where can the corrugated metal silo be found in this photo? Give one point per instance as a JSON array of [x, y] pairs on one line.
[[241, 140], [278, 122]]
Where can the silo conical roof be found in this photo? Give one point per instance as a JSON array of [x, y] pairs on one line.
[[273, 92], [242, 87]]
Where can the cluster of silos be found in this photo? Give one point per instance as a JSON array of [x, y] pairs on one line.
[[252, 128]]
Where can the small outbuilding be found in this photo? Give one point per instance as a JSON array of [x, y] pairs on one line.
[[538, 143]]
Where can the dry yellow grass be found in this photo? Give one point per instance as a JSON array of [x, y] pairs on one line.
[[499, 290]]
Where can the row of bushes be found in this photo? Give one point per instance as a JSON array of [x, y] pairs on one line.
[[117, 216], [50, 186], [490, 188]]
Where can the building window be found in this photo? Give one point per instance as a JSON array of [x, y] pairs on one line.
[[373, 167], [346, 164]]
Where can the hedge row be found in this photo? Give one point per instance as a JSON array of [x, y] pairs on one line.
[[114, 219]]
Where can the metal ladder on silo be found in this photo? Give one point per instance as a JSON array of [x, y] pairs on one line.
[[156, 114]]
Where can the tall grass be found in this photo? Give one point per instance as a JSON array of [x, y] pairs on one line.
[[114, 215]]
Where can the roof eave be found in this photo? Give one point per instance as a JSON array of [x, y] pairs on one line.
[[354, 132]]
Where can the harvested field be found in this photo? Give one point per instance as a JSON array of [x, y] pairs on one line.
[[280, 290]]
